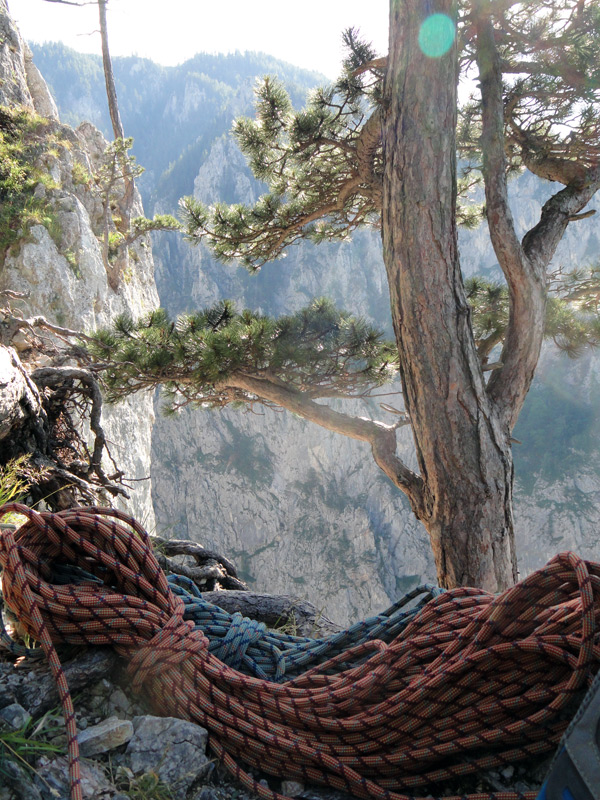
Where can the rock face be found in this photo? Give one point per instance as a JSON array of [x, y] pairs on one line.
[[173, 748], [296, 511], [558, 502], [59, 265], [13, 86], [105, 736], [20, 404], [299, 509]]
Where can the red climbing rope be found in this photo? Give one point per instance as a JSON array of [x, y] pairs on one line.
[[474, 682]]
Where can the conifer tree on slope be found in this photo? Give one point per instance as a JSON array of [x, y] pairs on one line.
[[381, 147]]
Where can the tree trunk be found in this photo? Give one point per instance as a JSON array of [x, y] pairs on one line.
[[109, 79], [463, 447], [275, 610], [117, 125]]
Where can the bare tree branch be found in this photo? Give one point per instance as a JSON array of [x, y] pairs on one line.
[[524, 264], [44, 324], [367, 145], [382, 438], [54, 377], [526, 284], [376, 64], [73, 3], [540, 242]]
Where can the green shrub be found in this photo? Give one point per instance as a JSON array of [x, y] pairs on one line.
[[23, 138]]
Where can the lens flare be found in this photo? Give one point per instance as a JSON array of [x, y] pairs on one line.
[[436, 35]]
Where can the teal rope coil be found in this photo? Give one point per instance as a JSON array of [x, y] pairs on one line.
[[249, 646], [252, 648]]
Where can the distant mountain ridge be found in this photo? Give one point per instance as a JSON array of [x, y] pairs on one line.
[[190, 105]]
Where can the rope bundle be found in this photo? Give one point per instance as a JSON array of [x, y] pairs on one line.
[[249, 646], [472, 682]]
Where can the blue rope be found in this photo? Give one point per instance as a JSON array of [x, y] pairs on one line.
[[249, 646], [272, 655]]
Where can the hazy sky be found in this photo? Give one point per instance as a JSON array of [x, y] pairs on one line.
[[306, 33]]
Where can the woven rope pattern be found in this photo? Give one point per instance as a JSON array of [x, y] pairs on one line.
[[472, 682], [249, 646]]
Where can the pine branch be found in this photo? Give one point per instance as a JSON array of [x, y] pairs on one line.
[[319, 351]]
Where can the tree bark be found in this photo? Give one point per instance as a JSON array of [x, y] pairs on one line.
[[109, 78], [115, 118], [382, 438], [275, 610], [462, 443]]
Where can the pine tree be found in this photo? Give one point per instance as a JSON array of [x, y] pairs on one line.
[[380, 148]]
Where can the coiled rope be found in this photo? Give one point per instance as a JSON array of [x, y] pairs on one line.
[[473, 682], [248, 645]]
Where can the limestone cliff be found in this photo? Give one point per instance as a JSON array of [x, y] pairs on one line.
[[57, 261], [298, 508]]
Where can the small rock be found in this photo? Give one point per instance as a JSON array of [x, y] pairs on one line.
[[291, 788], [55, 776], [16, 778], [6, 695], [119, 702], [15, 716], [207, 794], [508, 772], [123, 773], [106, 736], [172, 748]]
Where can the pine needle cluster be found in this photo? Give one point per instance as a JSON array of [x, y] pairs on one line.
[[572, 321], [287, 150], [319, 351], [323, 165], [550, 58]]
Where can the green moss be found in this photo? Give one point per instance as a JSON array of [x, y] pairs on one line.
[[115, 240], [71, 259]]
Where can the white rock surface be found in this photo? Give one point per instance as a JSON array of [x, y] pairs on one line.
[[19, 397], [43, 101], [172, 748], [105, 736], [13, 79], [65, 276]]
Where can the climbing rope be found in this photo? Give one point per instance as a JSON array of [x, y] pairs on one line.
[[472, 682], [249, 646]]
